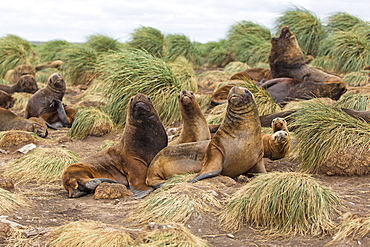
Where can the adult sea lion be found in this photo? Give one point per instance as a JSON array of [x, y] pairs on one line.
[[286, 89], [25, 84], [10, 121], [194, 124], [47, 103], [220, 95], [235, 149], [286, 59], [6, 100], [125, 162]]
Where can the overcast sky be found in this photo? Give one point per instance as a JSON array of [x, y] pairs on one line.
[[199, 20]]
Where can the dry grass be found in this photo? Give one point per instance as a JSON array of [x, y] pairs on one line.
[[355, 227], [10, 201], [217, 114], [323, 130], [89, 234], [176, 201], [171, 234], [43, 165], [90, 121], [281, 204]]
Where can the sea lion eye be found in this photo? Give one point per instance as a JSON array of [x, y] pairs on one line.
[[148, 98], [191, 93]]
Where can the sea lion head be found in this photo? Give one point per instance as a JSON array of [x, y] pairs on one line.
[[186, 98], [27, 84], [337, 90], [241, 99], [278, 124], [6, 100], [140, 108], [280, 137], [39, 127], [56, 82]]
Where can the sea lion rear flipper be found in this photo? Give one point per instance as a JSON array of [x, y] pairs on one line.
[[212, 166]]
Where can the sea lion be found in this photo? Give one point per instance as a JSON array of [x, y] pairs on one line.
[[194, 124], [219, 96], [10, 121], [6, 100], [255, 74], [235, 149], [279, 144], [25, 84], [47, 103], [57, 64], [20, 70], [286, 89], [125, 162], [286, 59]]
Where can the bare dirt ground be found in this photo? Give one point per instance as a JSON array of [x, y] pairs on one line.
[[50, 205]]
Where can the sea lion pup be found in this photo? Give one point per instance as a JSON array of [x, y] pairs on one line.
[[46, 103], [10, 121], [125, 162], [279, 144], [235, 149], [194, 124], [286, 89], [6, 100], [286, 59], [25, 84]]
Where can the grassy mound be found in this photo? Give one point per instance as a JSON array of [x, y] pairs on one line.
[[43, 165], [281, 204]]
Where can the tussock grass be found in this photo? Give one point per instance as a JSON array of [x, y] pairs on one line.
[[171, 234], [52, 50], [203, 101], [176, 201], [281, 204], [102, 43], [211, 79], [184, 72], [129, 72], [217, 114], [306, 26], [355, 101], [356, 79], [217, 54], [10, 201], [148, 39], [342, 21], [355, 227], [235, 67], [43, 165], [90, 121], [22, 100], [80, 68], [322, 130], [89, 234]]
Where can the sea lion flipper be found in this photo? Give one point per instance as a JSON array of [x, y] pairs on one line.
[[213, 164], [142, 193], [92, 184], [61, 112]]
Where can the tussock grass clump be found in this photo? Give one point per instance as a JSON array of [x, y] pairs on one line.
[[175, 201], [217, 114], [148, 39], [52, 50], [171, 234], [90, 121], [184, 72], [235, 67], [356, 79], [43, 165], [322, 131], [102, 43], [281, 204], [211, 79], [10, 201], [89, 233], [129, 72], [355, 101], [204, 101], [353, 226]]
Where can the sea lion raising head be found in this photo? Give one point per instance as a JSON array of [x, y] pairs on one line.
[[194, 124], [125, 162]]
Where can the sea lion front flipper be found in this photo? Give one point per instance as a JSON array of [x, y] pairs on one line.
[[141, 193], [213, 164], [92, 184], [61, 112]]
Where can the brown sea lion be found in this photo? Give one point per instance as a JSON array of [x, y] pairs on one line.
[[57, 64], [6, 100], [287, 60], [47, 103], [235, 149], [125, 162], [279, 124], [10, 121], [25, 84], [194, 124], [20, 70], [286, 89], [255, 74], [220, 95]]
